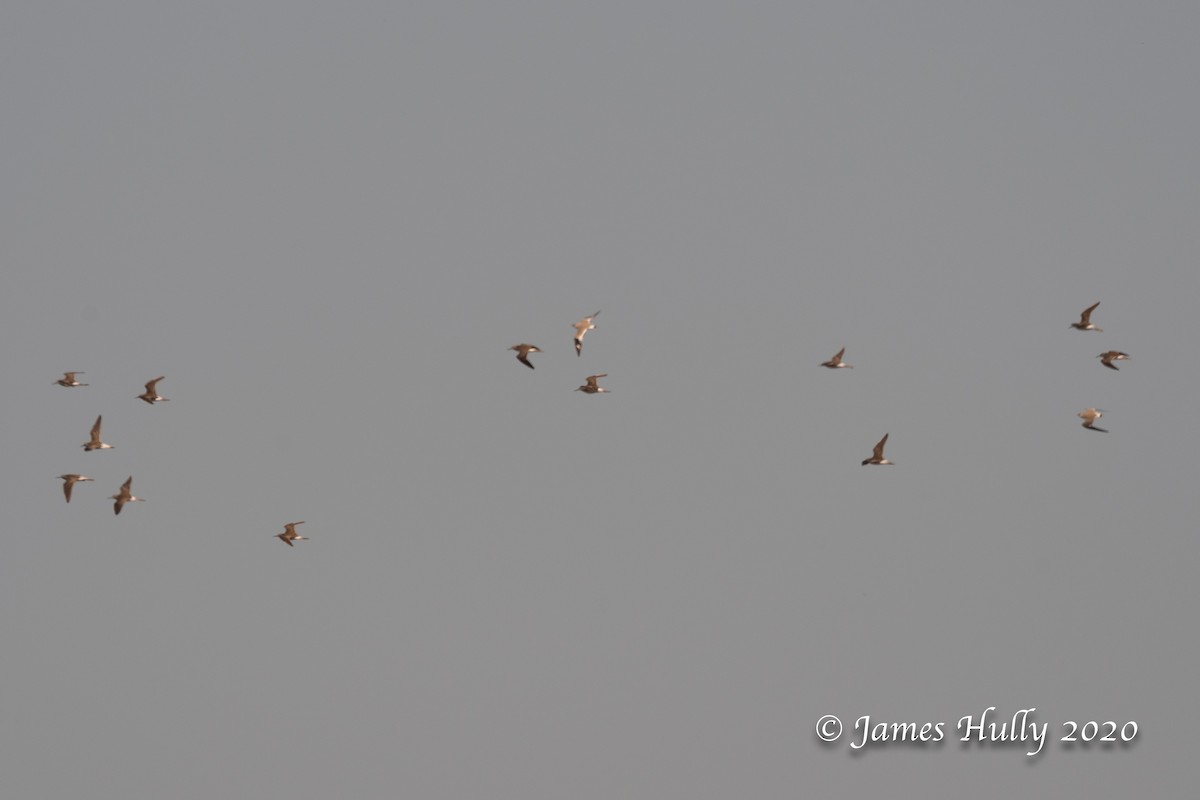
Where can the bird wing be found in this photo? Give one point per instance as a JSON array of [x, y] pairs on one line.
[[879, 447]]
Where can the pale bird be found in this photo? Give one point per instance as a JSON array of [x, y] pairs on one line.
[[289, 534], [94, 443], [1085, 320], [151, 395], [1108, 358], [125, 496], [592, 386], [877, 455], [70, 480], [582, 327], [836, 362], [1089, 417], [523, 351], [68, 379]]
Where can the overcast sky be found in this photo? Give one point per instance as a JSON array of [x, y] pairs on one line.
[[325, 223]]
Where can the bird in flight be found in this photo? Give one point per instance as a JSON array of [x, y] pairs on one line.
[[1089, 417], [1085, 320], [877, 455], [523, 351], [151, 395], [125, 496], [582, 327], [70, 480], [1108, 358], [836, 362], [289, 534], [592, 386], [94, 443], [68, 379]]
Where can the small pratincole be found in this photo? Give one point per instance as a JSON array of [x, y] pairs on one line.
[[877, 456], [1112, 355], [582, 327], [1089, 417], [125, 496], [151, 395], [70, 480], [836, 362], [68, 379], [1085, 320], [94, 443], [592, 387], [523, 351], [289, 534]]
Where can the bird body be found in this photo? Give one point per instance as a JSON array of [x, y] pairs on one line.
[[1089, 417], [151, 395], [523, 351], [836, 362], [70, 480], [68, 379], [125, 496], [582, 327], [94, 443], [877, 455], [593, 386], [289, 534], [1085, 320], [1109, 357]]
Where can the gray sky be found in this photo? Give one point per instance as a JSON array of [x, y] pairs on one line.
[[325, 223]]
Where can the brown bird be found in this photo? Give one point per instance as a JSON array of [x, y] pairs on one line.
[[151, 395], [1089, 417], [125, 496], [1112, 355], [877, 456], [68, 379], [289, 534], [523, 351], [94, 443], [592, 387], [1085, 320], [70, 480], [582, 327], [836, 362]]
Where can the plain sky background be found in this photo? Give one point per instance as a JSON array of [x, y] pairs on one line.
[[326, 222]]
